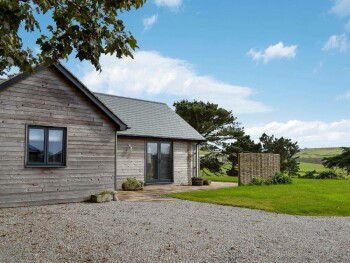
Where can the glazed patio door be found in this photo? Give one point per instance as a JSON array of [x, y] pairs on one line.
[[159, 162]]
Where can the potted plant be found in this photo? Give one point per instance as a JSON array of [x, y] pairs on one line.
[[105, 196], [197, 181], [132, 184]]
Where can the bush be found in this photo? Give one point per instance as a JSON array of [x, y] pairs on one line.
[[309, 175], [329, 175], [281, 178], [206, 182], [323, 175], [131, 184], [257, 181], [261, 181]]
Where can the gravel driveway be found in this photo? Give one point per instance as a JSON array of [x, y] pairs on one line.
[[173, 231]]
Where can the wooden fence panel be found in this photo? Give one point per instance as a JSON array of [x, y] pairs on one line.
[[251, 165]]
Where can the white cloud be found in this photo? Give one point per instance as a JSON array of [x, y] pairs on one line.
[[337, 42], [308, 134], [172, 4], [341, 8], [153, 76], [277, 51], [148, 22], [345, 96]]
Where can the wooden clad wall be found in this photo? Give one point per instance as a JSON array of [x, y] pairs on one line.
[[183, 162], [46, 98], [130, 163]]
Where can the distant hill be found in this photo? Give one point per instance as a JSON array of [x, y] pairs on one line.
[[315, 155]]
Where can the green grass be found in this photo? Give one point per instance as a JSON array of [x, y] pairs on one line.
[[222, 176], [303, 197], [232, 179], [306, 167], [318, 152]]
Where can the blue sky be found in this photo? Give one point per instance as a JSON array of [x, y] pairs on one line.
[[281, 66]]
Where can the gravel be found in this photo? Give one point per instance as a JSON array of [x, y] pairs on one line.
[[172, 231]]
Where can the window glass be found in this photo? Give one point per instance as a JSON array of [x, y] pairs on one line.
[[36, 145], [55, 146], [46, 146]]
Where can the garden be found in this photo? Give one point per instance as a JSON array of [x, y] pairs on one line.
[[316, 190]]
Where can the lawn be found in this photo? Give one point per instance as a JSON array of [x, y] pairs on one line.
[[220, 177], [225, 178], [303, 197]]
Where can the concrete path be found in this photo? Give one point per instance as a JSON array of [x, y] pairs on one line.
[[158, 192]]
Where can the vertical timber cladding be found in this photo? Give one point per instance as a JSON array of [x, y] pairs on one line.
[[251, 165], [130, 159], [47, 99], [131, 162], [183, 162]]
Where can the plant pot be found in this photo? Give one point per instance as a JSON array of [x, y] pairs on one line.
[[197, 181]]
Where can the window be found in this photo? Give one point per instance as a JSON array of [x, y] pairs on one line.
[[46, 146]]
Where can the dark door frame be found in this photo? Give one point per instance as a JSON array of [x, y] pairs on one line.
[[159, 180]]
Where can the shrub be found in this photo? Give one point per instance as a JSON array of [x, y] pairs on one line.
[[261, 181], [281, 178], [206, 182], [309, 175], [131, 184], [330, 175], [257, 181]]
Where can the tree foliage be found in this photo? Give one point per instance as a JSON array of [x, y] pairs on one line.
[[211, 163], [90, 28], [285, 148], [214, 123], [242, 144], [341, 161]]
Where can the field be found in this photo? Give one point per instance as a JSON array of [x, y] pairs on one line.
[[311, 159], [315, 155], [306, 167], [318, 152], [303, 197]]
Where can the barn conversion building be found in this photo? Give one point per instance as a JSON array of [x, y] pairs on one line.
[[59, 142]]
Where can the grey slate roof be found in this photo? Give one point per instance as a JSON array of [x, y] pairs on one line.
[[149, 119]]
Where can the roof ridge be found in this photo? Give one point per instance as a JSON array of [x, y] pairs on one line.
[[111, 95]]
